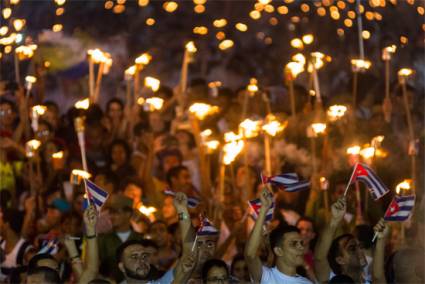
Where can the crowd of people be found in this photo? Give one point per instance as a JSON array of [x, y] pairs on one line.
[[49, 234]]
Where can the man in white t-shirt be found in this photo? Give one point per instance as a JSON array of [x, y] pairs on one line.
[[287, 246]]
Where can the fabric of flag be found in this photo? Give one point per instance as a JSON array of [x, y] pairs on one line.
[[192, 202], [366, 175], [255, 205], [400, 208], [49, 247], [95, 195], [288, 182], [206, 228]]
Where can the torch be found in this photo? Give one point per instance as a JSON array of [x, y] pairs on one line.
[[271, 128], [79, 128], [292, 70], [36, 112], [386, 57], [189, 52], [358, 65], [140, 62], [22, 52]]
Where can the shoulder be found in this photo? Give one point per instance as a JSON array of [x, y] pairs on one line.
[[167, 278]]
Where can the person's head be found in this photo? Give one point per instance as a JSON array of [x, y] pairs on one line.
[[179, 179], [45, 131], [120, 209], [159, 233], [185, 138], [215, 271], [42, 275], [95, 133], [288, 245], [55, 210], [345, 254], [133, 190], [120, 152], [243, 177], [43, 260], [107, 181], [7, 113], [52, 113], [114, 109], [238, 269], [307, 232], [134, 259], [10, 222], [170, 158], [364, 233], [206, 245], [168, 210], [156, 122], [407, 265], [71, 224]]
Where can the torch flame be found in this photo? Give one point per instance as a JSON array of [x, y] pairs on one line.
[[367, 152], [190, 47], [81, 173], [318, 127], [250, 128], [405, 185], [25, 51], [336, 111], [206, 133], [360, 64], [231, 151], [152, 83], [143, 59], [39, 109], [212, 145], [202, 110], [252, 87], [405, 72], [82, 104], [295, 68], [231, 136], [155, 103], [58, 155], [273, 126], [147, 211], [353, 150], [33, 144], [130, 71], [30, 79]]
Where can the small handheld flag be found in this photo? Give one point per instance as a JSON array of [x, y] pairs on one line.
[[255, 205], [288, 182], [363, 173], [95, 195], [206, 228], [49, 247], [192, 202], [400, 208]]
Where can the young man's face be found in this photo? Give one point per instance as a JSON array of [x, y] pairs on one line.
[[306, 231], [206, 247], [159, 234], [352, 256], [291, 249], [183, 181], [135, 262]]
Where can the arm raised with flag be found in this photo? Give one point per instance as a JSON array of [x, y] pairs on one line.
[[382, 231], [321, 265], [252, 259]]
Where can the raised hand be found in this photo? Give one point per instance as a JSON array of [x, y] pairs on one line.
[[180, 202], [339, 208], [381, 229], [189, 262], [266, 198], [90, 220]]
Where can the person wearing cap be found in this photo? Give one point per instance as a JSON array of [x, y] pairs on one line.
[[120, 210]]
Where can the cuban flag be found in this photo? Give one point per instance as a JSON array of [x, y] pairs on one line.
[[366, 175], [206, 228], [95, 195], [192, 202], [255, 205], [400, 208], [288, 182], [49, 246]]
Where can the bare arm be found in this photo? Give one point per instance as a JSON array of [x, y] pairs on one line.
[[73, 254], [92, 265], [252, 259], [321, 265], [378, 274]]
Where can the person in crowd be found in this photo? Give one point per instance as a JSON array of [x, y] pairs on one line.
[[307, 231], [287, 246], [179, 179], [215, 271], [120, 153], [239, 270], [43, 275], [120, 210], [166, 255]]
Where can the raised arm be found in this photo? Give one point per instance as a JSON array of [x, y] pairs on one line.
[[252, 259], [92, 266], [321, 265], [381, 230]]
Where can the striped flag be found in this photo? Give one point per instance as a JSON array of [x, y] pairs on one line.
[[49, 247], [400, 208], [206, 228], [366, 175], [95, 195], [288, 182], [255, 205], [192, 202]]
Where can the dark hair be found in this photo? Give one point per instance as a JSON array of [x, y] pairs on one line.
[[157, 222], [124, 144], [33, 263], [15, 274], [335, 251], [14, 218], [49, 275], [192, 142], [341, 279], [172, 228], [277, 235], [236, 258], [167, 91], [114, 100], [306, 219], [51, 104], [210, 264], [174, 172], [4, 101], [364, 233], [124, 245]]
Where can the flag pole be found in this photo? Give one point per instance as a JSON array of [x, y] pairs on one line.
[[349, 182]]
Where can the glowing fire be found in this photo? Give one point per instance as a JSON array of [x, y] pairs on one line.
[[58, 155], [80, 173], [405, 185], [273, 126], [336, 111], [143, 59], [152, 83], [318, 128], [190, 47], [360, 64], [202, 110], [250, 128], [154, 103], [231, 150], [39, 109], [147, 211], [82, 104]]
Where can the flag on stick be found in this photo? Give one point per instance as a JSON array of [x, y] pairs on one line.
[[255, 205], [400, 208], [95, 195], [288, 182], [192, 202]]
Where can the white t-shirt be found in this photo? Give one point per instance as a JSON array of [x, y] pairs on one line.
[[273, 275], [10, 260], [123, 235]]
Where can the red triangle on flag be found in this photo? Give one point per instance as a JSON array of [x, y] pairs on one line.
[[392, 209], [360, 171]]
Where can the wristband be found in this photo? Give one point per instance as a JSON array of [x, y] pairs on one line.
[[183, 216], [74, 257], [91, 237]]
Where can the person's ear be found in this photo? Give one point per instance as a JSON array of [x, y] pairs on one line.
[[278, 251], [340, 260], [121, 267]]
